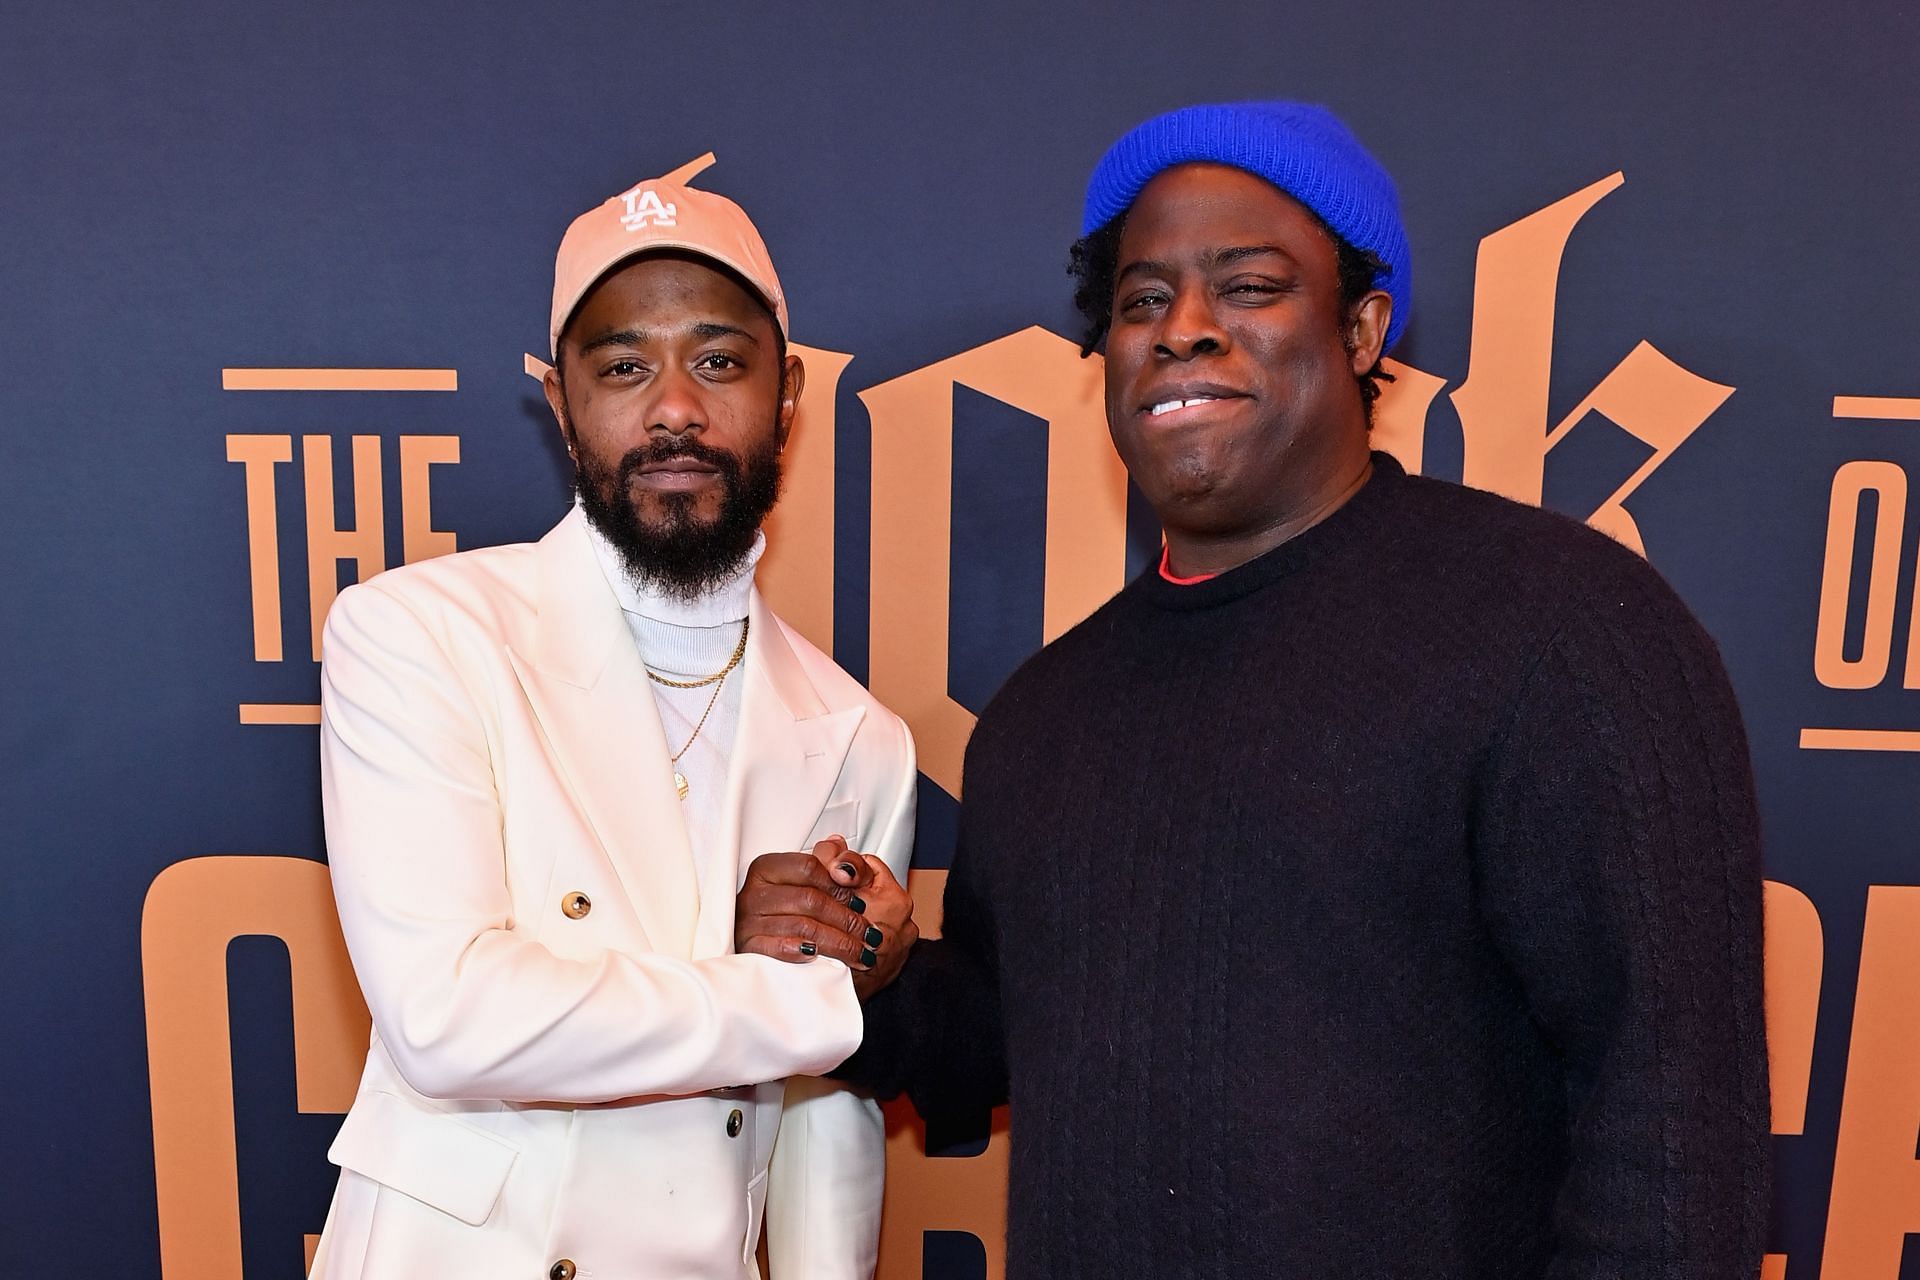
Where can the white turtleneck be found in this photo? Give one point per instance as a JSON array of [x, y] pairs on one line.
[[685, 639]]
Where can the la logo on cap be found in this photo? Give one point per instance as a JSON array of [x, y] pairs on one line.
[[644, 207]]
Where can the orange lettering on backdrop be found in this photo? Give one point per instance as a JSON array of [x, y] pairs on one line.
[[1085, 554], [938, 1193], [419, 540], [1795, 955], [1503, 404], [1831, 666], [796, 574], [194, 909], [365, 543], [260, 455], [1794, 959], [1876, 1178], [1658, 403]]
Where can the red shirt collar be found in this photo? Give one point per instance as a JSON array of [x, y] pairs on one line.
[[1170, 576]]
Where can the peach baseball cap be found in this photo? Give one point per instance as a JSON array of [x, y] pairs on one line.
[[655, 215]]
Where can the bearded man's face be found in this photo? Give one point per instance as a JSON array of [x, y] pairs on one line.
[[675, 402]]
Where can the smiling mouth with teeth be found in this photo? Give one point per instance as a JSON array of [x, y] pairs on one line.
[[1168, 406]]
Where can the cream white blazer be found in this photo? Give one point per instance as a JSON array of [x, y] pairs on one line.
[[571, 1073]]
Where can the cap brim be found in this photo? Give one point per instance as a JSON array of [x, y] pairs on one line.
[[734, 270]]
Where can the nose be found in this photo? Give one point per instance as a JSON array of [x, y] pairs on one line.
[[1189, 327], [677, 408]]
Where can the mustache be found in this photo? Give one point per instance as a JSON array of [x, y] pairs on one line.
[[670, 448]]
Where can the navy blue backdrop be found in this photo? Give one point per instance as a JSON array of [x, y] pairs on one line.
[[205, 186]]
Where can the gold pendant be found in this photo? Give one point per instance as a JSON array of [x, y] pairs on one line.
[[680, 783]]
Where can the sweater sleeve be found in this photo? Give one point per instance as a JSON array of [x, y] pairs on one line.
[[1617, 850], [936, 1033]]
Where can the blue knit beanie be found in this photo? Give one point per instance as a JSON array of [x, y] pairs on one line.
[[1301, 149]]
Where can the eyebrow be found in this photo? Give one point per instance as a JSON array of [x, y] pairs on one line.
[[705, 330], [1240, 253], [1212, 258], [710, 329]]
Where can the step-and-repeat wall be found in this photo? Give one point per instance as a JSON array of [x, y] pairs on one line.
[[274, 278]]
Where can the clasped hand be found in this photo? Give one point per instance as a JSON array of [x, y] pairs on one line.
[[830, 902]]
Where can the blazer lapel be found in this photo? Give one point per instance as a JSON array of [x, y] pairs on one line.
[[589, 691], [786, 756]]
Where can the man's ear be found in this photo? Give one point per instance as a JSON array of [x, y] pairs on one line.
[[557, 401], [1367, 327], [793, 381]]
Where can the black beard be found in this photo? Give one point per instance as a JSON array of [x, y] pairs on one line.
[[682, 555]]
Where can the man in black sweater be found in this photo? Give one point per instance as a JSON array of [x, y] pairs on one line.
[[1374, 889]]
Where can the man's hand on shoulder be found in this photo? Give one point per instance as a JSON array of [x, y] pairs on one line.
[[830, 902]]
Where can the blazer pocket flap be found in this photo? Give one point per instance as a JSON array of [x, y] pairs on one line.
[[428, 1155], [841, 818]]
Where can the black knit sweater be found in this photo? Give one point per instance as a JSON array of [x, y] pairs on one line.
[[1387, 906]]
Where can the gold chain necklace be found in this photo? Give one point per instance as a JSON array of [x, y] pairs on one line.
[[680, 783], [739, 651]]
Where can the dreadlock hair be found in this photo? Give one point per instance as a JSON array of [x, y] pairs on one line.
[[1093, 257]]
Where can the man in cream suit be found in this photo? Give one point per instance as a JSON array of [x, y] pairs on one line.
[[545, 770]]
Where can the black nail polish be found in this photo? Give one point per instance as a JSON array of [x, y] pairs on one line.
[[856, 903], [808, 949], [848, 870], [874, 936], [868, 956]]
